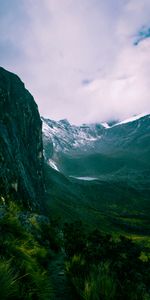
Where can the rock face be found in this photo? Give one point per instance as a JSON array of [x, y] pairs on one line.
[[21, 149]]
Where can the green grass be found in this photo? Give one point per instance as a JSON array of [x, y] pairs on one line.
[[100, 285], [24, 257], [9, 287], [100, 266]]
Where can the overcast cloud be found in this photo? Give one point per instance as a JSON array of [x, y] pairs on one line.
[[84, 60]]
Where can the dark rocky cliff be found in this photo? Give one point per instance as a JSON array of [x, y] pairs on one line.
[[21, 149]]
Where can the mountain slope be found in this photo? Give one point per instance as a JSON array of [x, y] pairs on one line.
[[21, 148], [113, 206]]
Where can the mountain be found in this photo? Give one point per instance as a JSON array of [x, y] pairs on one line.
[[99, 150], [66, 137], [100, 173], [26, 242], [43, 257], [21, 147]]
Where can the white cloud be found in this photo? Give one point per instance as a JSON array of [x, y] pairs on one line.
[[78, 58]]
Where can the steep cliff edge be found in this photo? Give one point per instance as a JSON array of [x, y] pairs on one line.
[[21, 148]]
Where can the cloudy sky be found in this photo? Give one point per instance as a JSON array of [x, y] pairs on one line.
[[84, 60]]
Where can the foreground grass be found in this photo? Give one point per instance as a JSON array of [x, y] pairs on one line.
[[101, 267], [92, 265], [27, 246]]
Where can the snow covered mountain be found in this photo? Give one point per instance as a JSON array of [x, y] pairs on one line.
[[66, 137], [93, 150]]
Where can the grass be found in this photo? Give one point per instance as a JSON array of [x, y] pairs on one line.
[[24, 258], [29, 242], [100, 284], [105, 268], [8, 281]]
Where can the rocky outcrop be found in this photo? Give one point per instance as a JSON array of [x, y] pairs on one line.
[[21, 149]]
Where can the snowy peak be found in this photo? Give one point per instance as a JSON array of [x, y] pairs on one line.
[[66, 137], [64, 122], [89, 150], [132, 119], [61, 136]]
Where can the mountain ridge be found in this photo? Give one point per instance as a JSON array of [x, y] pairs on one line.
[[125, 145]]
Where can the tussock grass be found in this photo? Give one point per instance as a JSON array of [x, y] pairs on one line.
[[23, 260]]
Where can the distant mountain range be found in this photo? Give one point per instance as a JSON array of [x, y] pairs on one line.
[[99, 173], [99, 151]]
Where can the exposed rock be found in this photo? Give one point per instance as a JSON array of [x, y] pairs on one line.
[[21, 148]]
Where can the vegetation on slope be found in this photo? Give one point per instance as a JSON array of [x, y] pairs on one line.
[[113, 206], [101, 267], [28, 244], [40, 261]]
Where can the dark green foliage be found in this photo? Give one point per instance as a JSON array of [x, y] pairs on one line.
[[50, 232], [104, 268], [100, 284], [74, 238], [8, 282], [24, 257]]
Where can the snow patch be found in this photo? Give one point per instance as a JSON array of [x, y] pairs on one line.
[[134, 118], [87, 178], [105, 125], [53, 165], [46, 129]]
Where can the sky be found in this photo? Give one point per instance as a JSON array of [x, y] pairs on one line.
[[83, 60]]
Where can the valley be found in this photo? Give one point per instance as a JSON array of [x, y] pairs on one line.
[[100, 174], [74, 204]]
